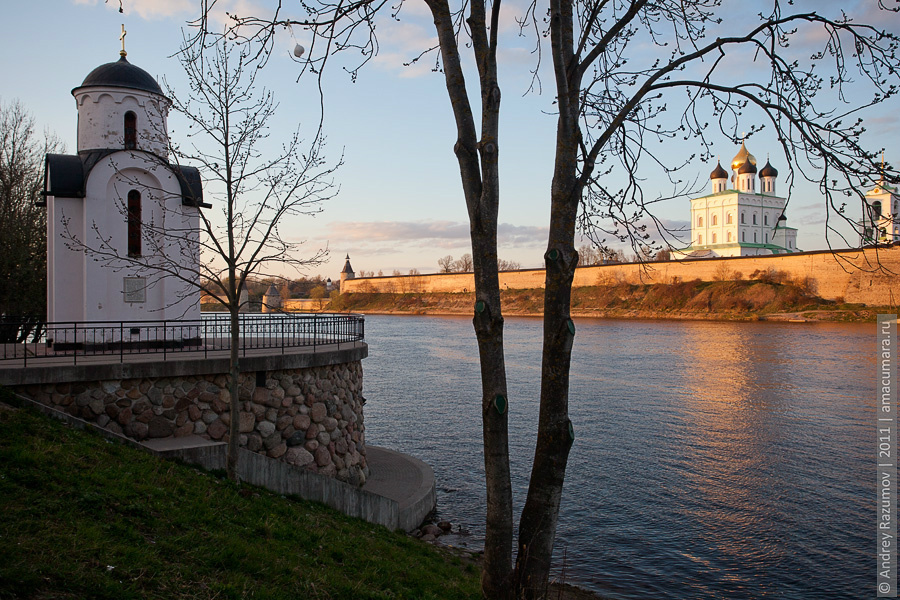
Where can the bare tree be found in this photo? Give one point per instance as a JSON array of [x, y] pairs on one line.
[[256, 193], [464, 264], [23, 224], [587, 255], [612, 100], [446, 264], [508, 265], [230, 113]]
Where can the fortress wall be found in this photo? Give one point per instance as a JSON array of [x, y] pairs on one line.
[[853, 275]]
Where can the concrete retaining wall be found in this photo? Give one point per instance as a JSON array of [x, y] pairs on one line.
[[286, 479], [860, 276]]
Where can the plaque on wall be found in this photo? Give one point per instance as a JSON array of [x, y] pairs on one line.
[[135, 289]]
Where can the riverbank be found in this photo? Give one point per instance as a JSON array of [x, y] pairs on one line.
[[752, 300]]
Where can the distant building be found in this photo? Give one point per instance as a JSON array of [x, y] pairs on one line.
[[346, 273], [741, 221], [880, 219], [271, 300], [120, 197]]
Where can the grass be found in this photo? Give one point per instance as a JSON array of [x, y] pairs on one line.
[[87, 518]]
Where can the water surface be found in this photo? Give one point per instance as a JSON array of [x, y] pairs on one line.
[[711, 459]]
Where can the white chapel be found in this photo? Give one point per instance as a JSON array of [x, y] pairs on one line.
[[745, 220], [118, 210]]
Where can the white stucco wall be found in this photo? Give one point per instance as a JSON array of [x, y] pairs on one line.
[[101, 119], [89, 286]]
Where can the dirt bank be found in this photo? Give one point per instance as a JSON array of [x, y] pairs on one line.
[[752, 300]]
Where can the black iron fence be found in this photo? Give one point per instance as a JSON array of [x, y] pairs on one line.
[[212, 332]]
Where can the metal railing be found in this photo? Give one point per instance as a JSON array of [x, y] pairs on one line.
[[211, 333]]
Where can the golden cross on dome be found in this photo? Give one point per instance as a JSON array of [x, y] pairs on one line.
[[122, 37]]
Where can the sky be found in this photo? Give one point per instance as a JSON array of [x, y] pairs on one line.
[[400, 205]]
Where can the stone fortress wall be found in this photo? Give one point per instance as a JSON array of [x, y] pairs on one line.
[[867, 276]]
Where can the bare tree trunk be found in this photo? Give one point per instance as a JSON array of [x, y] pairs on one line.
[[234, 388], [537, 526], [481, 185]]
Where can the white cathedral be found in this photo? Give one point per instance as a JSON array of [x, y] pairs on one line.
[[741, 221], [118, 211]]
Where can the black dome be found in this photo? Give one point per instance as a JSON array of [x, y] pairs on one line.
[[747, 167], [719, 173], [768, 171], [121, 74]]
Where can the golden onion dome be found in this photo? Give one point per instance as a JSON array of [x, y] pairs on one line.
[[741, 157]]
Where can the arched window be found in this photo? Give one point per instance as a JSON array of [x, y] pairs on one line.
[[699, 240], [743, 218], [728, 219], [130, 130], [767, 238], [743, 236], [699, 221], [876, 208], [765, 219], [714, 239], [728, 237], [755, 238], [715, 220], [134, 223], [754, 218]]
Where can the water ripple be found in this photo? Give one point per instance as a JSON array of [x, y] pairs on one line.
[[712, 460]]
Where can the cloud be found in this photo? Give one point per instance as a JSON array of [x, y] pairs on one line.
[[147, 9], [401, 42], [810, 214], [884, 123], [164, 9], [442, 234]]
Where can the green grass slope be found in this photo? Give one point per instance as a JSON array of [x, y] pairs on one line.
[[83, 517]]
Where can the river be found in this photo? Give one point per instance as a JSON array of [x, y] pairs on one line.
[[712, 459]]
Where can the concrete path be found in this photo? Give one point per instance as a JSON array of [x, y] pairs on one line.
[[403, 478]]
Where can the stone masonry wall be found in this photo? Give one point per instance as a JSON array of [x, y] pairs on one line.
[[309, 417], [866, 276]]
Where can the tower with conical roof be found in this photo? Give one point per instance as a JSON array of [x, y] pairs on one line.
[[743, 220], [118, 210], [271, 300], [346, 273]]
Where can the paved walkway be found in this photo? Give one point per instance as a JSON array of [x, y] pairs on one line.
[[11, 354], [403, 478]]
